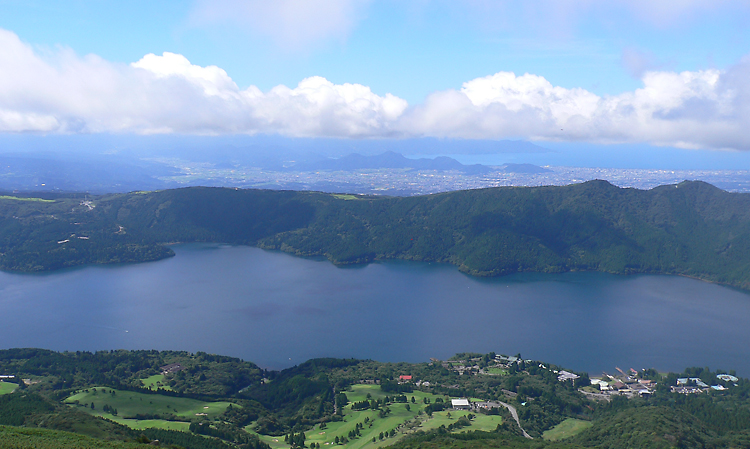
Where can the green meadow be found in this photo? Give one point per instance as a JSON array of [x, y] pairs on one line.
[[140, 424], [165, 412], [129, 404], [480, 422], [7, 387], [346, 197], [15, 198], [155, 382], [566, 429], [400, 419]]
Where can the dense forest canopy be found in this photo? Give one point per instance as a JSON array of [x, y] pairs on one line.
[[691, 228]]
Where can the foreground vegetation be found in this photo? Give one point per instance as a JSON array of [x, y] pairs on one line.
[[24, 438], [107, 399], [691, 228]]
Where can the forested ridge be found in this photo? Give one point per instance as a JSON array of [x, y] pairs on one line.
[[691, 228]]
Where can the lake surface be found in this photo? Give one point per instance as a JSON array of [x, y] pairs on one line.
[[278, 310]]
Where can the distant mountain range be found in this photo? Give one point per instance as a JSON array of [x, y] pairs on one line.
[[393, 160], [389, 159]]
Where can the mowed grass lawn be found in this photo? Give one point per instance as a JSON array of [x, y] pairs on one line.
[[566, 429], [344, 197], [398, 415], [155, 382], [7, 387], [15, 198], [327, 436], [480, 422], [129, 404]]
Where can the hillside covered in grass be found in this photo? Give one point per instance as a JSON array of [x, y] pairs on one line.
[[691, 229]]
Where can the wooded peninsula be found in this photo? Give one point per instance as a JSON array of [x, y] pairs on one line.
[[691, 229]]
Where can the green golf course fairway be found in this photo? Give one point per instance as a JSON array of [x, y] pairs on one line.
[[140, 424], [16, 198], [152, 383], [566, 429], [7, 387], [129, 404], [480, 422], [398, 416]]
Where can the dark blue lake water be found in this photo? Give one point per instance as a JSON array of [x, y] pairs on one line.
[[278, 310]]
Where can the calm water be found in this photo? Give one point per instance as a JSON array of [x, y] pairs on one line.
[[278, 310]]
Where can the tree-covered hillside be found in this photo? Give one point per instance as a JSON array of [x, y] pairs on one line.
[[691, 229], [205, 401]]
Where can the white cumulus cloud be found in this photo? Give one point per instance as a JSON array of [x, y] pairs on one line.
[[700, 109], [65, 93], [213, 80], [163, 94]]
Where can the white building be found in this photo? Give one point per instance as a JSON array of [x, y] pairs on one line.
[[461, 404], [564, 375]]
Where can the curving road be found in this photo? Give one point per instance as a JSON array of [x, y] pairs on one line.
[[514, 413]]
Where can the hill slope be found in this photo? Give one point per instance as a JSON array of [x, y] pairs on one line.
[[691, 229]]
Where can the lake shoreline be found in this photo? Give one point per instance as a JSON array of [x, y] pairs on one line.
[[279, 310]]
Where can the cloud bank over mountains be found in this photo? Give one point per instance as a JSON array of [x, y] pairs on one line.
[[61, 92]]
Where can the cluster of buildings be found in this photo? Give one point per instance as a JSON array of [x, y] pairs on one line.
[[689, 385], [406, 181], [630, 385], [472, 366], [171, 368], [626, 384]]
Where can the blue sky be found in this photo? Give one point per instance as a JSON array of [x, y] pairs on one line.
[[657, 73], [409, 50]]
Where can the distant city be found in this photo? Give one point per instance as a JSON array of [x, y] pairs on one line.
[[406, 181], [389, 173]]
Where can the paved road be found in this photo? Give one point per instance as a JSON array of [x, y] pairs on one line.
[[514, 413]]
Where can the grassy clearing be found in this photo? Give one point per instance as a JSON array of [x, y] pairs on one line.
[[486, 423], [15, 198], [496, 371], [327, 436], [359, 393], [140, 424], [129, 404], [372, 428], [565, 429], [155, 382], [408, 420], [7, 387], [480, 422], [344, 197]]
